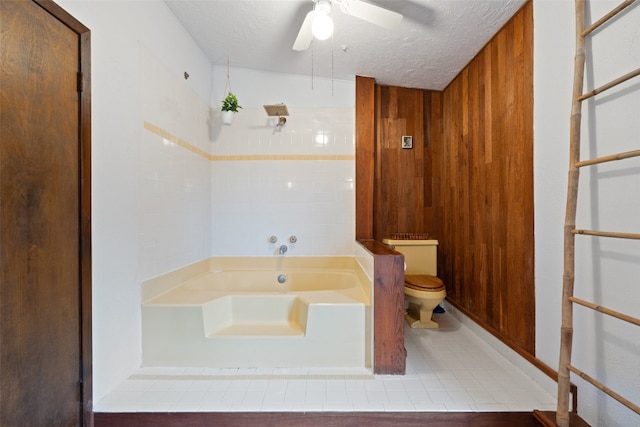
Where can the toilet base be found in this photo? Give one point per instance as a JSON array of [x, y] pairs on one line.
[[420, 310], [415, 322]]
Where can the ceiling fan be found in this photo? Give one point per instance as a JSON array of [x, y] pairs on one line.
[[318, 23]]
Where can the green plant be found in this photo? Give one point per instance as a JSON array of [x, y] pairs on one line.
[[230, 103]]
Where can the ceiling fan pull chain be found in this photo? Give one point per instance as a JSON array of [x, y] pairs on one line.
[[227, 87]]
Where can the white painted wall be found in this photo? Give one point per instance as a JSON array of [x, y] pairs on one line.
[[607, 270], [138, 55]]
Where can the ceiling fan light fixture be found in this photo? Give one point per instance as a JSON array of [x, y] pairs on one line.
[[322, 25], [319, 25]]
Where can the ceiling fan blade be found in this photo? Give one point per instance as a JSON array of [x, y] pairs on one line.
[[371, 13], [304, 35]]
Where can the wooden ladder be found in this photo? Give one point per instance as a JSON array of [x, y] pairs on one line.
[[570, 230]]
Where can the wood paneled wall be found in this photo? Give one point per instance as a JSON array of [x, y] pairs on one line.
[[483, 190], [365, 154], [468, 180], [403, 201]]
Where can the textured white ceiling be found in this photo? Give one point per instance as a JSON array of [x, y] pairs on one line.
[[435, 40]]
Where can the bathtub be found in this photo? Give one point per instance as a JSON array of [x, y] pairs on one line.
[[259, 312]]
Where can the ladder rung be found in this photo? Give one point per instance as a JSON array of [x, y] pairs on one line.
[[611, 84], [607, 234], [605, 310], [605, 389], [606, 17], [610, 158]]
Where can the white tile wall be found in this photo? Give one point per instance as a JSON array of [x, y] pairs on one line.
[[175, 187], [312, 198], [295, 180], [174, 206], [309, 130]]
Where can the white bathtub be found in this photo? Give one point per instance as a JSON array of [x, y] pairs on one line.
[[233, 312]]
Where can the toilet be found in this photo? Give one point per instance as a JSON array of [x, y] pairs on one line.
[[423, 291]]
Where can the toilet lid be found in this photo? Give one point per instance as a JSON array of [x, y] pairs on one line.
[[422, 282]]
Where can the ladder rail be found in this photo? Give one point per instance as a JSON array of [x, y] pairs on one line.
[[566, 329], [606, 234], [591, 28], [626, 402], [605, 310], [611, 84], [610, 158], [568, 281]]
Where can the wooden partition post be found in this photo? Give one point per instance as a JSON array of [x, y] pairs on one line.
[[365, 143], [388, 309]]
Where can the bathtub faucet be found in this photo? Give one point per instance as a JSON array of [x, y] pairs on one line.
[[283, 249]]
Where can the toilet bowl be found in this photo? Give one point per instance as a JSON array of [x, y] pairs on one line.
[[423, 290]]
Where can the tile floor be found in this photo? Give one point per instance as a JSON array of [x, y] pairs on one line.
[[449, 369]]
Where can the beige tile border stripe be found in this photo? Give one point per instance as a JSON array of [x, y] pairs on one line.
[[184, 144], [181, 142]]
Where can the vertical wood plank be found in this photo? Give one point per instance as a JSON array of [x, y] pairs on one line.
[[484, 185], [402, 183], [365, 140], [388, 301]]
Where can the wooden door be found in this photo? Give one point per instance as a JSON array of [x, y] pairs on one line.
[[45, 359]]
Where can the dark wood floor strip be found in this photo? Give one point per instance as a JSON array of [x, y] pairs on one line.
[[324, 419], [548, 419]]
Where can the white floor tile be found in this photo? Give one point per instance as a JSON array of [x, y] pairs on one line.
[[439, 396], [358, 396], [390, 386], [398, 396], [315, 396], [412, 384], [481, 396], [460, 396], [490, 407], [419, 396], [449, 369], [377, 396], [253, 397], [430, 407], [458, 407], [308, 407], [338, 407], [399, 407], [366, 406]]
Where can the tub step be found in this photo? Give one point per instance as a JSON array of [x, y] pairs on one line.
[[259, 330], [255, 315]]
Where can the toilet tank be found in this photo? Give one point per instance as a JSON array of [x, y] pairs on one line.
[[420, 256]]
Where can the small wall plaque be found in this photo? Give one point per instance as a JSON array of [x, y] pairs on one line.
[[407, 142]]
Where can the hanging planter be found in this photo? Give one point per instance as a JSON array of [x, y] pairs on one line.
[[230, 104], [227, 117], [229, 108]]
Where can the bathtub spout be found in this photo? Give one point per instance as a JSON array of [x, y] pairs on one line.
[[283, 249]]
